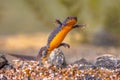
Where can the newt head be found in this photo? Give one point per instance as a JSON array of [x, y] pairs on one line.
[[70, 21]]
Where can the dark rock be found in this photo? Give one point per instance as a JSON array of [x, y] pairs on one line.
[[3, 61], [57, 58], [83, 64], [107, 61]]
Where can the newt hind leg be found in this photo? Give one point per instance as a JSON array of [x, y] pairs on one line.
[[42, 53], [64, 44]]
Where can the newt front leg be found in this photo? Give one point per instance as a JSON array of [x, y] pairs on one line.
[[79, 25], [64, 44]]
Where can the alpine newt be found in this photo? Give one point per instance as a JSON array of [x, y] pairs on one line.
[[57, 36]]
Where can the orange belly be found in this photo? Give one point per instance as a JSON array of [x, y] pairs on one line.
[[59, 38]]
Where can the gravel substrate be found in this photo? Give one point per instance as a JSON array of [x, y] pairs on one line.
[[105, 67], [30, 70]]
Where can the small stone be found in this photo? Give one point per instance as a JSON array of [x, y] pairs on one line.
[[57, 58]]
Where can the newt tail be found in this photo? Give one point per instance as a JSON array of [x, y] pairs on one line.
[[57, 36]]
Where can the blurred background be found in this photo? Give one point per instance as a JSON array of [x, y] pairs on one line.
[[26, 24]]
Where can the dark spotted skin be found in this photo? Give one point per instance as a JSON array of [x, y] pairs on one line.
[[57, 36]]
